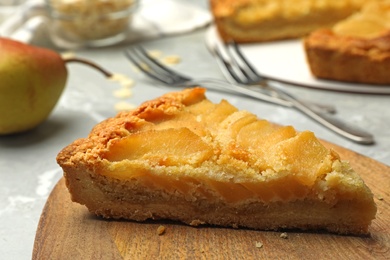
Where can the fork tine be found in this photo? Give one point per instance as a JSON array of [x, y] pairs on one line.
[[133, 56], [226, 67], [331, 123], [256, 77], [235, 67], [164, 68], [248, 75], [152, 68]]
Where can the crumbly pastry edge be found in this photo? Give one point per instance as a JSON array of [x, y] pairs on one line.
[[348, 59]]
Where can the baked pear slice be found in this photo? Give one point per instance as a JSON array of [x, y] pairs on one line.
[[184, 158]]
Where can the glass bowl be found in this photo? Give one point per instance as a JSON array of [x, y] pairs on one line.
[[90, 23]]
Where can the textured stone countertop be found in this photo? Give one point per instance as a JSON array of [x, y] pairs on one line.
[[28, 170]]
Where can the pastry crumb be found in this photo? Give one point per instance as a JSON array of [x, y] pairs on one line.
[[259, 244], [284, 235], [142, 66], [123, 80], [196, 222], [123, 93], [379, 197], [167, 59], [155, 53], [145, 66], [171, 60], [161, 230]]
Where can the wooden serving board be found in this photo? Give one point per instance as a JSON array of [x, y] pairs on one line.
[[67, 231]]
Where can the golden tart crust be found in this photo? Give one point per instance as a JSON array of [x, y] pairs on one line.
[[184, 158]]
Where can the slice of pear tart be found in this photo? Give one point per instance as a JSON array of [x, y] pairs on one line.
[[182, 157]]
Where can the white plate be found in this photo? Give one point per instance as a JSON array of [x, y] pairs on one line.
[[285, 60]]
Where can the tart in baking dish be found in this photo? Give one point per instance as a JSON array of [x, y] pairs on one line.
[[356, 49], [184, 158]]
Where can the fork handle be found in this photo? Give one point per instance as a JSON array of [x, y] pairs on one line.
[[333, 123], [318, 107], [342, 128], [221, 85]]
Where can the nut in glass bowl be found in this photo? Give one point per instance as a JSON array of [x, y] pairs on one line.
[[89, 23]]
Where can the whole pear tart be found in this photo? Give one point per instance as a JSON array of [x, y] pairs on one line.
[[184, 158], [249, 21]]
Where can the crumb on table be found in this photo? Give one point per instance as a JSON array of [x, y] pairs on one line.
[[259, 244], [124, 106], [155, 53], [123, 80], [123, 93], [284, 235], [171, 60], [161, 230]]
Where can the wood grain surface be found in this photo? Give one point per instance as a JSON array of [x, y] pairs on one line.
[[68, 231]]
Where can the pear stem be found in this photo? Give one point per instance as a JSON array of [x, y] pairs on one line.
[[89, 63]]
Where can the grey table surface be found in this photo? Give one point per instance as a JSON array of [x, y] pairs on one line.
[[28, 169]]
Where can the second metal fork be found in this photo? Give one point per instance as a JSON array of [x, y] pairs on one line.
[[161, 73], [237, 69]]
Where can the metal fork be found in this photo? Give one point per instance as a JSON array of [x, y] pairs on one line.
[[157, 71], [237, 68]]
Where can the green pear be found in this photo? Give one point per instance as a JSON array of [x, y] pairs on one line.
[[31, 82]]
